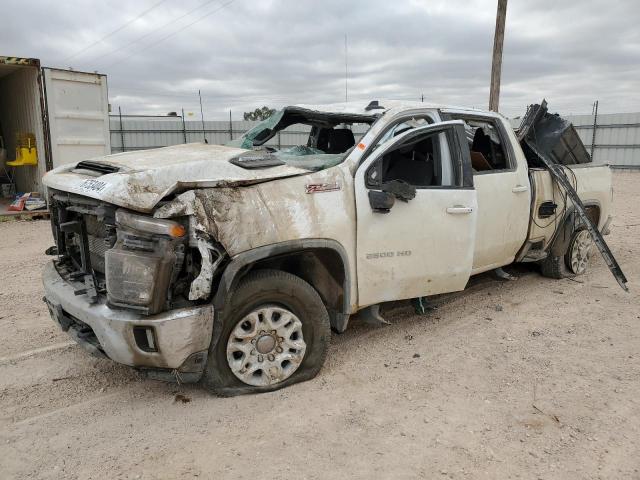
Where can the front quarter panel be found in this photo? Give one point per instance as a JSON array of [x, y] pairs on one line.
[[319, 205]]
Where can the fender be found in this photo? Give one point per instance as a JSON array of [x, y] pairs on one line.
[[236, 268]]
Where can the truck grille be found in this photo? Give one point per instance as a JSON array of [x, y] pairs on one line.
[[84, 230], [98, 240]]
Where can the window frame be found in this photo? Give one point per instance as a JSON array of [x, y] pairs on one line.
[[429, 116], [462, 178], [502, 133]]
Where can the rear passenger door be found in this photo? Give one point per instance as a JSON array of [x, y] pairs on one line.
[[501, 180], [422, 245]]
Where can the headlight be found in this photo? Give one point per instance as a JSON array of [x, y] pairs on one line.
[[138, 279], [146, 224], [139, 267]]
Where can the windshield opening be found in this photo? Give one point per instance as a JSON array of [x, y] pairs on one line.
[[302, 138]]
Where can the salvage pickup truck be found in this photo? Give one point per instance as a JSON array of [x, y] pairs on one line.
[[229, 265]]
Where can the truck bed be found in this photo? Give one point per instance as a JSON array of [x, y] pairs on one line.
[[593, 184]]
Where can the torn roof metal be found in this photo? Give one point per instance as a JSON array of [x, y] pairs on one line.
[[552, 135]]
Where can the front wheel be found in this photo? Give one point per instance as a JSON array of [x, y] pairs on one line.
[[276, 332]]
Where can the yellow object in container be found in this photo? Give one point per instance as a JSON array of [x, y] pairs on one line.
[[26, 151]]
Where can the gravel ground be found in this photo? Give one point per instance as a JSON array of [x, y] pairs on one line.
[[535, 378]]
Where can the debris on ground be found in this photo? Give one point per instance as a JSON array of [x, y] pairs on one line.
[[181, 398]]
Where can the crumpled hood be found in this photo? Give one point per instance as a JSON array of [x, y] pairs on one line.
[[145, 177]]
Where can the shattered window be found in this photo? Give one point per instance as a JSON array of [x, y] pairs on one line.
[[303, 138], [267, 125]]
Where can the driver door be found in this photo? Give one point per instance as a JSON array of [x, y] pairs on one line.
[[423, 245]]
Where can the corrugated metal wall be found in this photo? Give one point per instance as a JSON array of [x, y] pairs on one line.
[[617, 140], [20, 112], [152, 132]]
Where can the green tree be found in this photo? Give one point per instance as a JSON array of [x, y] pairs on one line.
[[259, 114]]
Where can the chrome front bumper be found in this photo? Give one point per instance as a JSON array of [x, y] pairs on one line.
[[181, 336]]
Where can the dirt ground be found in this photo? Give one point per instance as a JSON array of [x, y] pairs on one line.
[[535, 378]]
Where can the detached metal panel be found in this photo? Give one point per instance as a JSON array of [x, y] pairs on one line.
[[78, 112], [617, 139]]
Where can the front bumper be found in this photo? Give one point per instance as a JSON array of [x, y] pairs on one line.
[[182, 336]]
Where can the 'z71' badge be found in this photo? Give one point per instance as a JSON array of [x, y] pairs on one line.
[[322, 187]]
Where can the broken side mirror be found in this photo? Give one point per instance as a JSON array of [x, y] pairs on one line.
[[400, 189], [381, 202]]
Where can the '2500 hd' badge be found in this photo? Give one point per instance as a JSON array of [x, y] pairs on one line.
[[322, 187]]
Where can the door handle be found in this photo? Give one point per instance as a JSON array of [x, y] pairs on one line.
[[519, 189], [457, 210]]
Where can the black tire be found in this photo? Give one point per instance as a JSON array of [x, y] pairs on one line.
[[554, 267], [557, 266], [269, 287]]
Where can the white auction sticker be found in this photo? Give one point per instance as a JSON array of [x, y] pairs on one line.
[[92, 185]]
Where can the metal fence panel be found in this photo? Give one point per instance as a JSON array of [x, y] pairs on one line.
[[140, 133], [617, 139]]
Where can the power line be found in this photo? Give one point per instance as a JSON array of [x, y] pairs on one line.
[[146, 35], [121, 27], [162, 39]]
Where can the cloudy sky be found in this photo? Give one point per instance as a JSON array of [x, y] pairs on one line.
[[246, 53]]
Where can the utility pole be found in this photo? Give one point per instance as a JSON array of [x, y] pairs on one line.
[[496, 63]]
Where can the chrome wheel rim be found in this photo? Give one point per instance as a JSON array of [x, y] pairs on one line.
[[580, 252], [266, 346]]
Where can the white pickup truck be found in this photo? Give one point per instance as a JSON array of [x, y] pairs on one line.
[[229, 264]]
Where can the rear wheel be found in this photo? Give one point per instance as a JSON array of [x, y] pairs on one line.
[[575, 259], [276, 333], [579, 252]]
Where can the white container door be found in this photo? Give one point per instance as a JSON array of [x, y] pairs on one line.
[[78, 111]]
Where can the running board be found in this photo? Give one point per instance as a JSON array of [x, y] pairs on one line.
[[558, 174]]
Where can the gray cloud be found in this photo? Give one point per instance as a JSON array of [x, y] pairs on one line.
[[292, 51]]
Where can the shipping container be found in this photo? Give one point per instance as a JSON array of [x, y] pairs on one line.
[[64, 112]]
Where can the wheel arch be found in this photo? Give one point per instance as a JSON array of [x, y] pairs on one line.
[[323, 263]]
